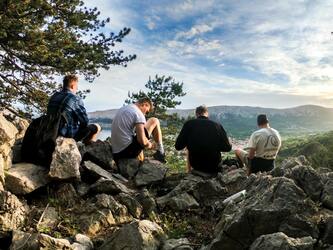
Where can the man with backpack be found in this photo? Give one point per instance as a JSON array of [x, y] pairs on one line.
[[74, 123], [66, 116], [263, 146]]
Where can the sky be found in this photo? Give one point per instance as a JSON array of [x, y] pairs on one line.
[[268, 53]]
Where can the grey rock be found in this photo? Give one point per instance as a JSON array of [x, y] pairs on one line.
[[66, 194], [49, 220], [82, 188], [178, 202], [96, 170], [7, 131], [128, 167], [147, 201], [84, 241], [48, 242], [2, 170], [327, 195], [109, 186], [308, 179], [299, 226], [150, 172], [177, 244], [66, 160], [22, 240], [16, 152], [13, 211], [133, 206], [233, 180], [23, 178], [269, 203], [100, 153], [144, 235], [327, 237], [280, 241]]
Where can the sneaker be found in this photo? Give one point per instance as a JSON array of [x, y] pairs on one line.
[[159, 156]]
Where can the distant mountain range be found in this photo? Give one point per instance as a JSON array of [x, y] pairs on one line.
[[240, 121]]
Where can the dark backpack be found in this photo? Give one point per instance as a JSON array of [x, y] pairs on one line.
[[40, 138]]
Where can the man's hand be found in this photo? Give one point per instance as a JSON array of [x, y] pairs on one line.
[[149, 145]]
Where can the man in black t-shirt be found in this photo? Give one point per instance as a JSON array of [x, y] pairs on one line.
[[205, 140]]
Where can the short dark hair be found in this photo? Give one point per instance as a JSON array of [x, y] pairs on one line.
[[201, 110], [146, 100], [262, 119], [68, 79]]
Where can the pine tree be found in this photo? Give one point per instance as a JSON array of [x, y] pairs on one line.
[[43, 39], [163, 91]]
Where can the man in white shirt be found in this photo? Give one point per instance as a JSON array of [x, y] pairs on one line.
[[130, 132], [263, 146]]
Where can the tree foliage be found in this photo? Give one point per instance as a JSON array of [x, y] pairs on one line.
[[43, 39], [163, 91]]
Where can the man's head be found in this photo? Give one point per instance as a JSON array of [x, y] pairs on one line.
[[262, 120], [201, 111], [145, 105], [70, 82]]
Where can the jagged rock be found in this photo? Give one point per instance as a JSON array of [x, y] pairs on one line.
[[48, 242], [21, 125], [280, 241], [49, 220], [177, 244], [108, 186], [66, 194], [7, 132], [327, 237], [299, 226], [82, 242], [209, 191], [100, 153], [169, 183], [233, 180], [26, 241], [308, 179], [23, 178], [100, 212], [66, 160], [150, 172], [143, 235], [2, 169], [133, 206], [96, 171], [178, 202], [13, 211], [269, 203], [1, 187], [82, 188], [128, 167], [147, 201], [289, 163], [327, 195]]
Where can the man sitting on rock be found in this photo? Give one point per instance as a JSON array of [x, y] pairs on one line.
[[130, 132], [204, 140], [75, 125], [263, 147]]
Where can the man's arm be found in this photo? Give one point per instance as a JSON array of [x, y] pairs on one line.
[[251, 154], [181, 141], [81, 113], [141, 136], [225, 143]]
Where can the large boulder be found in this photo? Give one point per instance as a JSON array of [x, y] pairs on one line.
[[180, 202], [177, 244], [13, 211], [100, 153], [109, 186], [23, 240], [327, 195], [81, 243], [66, 160], [150, 172], [23, 178], [2, 169], [7, 132], [280, 241], [270, 206], [144, 235], [128, 167], [133, 206], [327, 236], [308, 179]]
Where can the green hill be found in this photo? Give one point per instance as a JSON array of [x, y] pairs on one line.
[[318, 149]]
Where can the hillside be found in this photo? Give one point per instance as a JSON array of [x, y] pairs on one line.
[[318, 149], [240, 121]]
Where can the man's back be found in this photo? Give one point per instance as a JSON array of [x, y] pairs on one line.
[[204, 139], [266, 142], [73, 109]]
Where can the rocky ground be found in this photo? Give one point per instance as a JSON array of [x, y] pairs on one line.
[[83, 202]]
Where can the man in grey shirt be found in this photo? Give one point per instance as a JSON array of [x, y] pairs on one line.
[[131, 132]]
